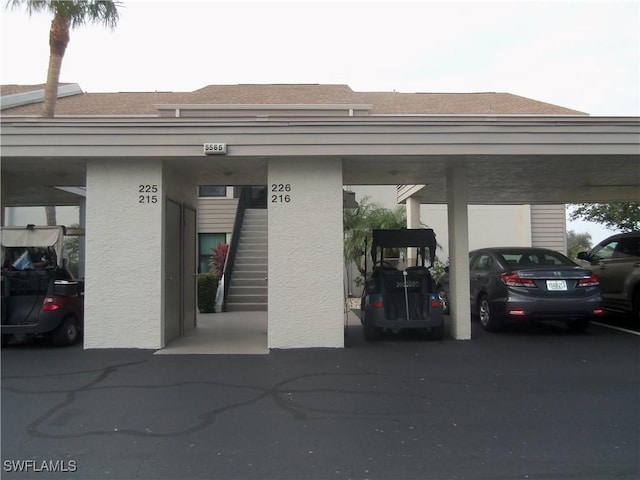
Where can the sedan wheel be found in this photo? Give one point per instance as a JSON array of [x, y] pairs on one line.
[[487, 321]]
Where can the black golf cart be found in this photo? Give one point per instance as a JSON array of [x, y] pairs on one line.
[[40, 297], [395, 299]]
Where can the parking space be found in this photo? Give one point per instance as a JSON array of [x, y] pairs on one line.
[[530, 402], [624, 323]]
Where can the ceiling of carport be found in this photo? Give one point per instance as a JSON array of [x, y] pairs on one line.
[[510, 179], [33, 181], [491, 180]]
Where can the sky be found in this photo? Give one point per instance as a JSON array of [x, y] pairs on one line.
[[579, 54]]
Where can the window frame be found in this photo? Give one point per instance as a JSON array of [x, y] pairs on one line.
[[219, 194]]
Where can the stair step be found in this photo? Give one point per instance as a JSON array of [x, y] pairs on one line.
[[251, 261], [253, 241], [246, 298], [250, 290], [244, 273], [246, 307], [258, 282], [254, 236], [250, 273], [251, 252], [251, 267]]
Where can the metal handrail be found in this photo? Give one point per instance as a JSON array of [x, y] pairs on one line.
[[244, 202]]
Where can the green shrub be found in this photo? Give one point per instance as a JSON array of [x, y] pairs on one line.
[[207, 288]]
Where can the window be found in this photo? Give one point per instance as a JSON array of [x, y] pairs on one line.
[[549, 260], [514, 259], [604, 252], [629, 247], [212, 191], [207, 243], [483, 262]]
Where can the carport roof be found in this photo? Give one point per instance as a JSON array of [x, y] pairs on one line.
[[373, 103], [515, 150]]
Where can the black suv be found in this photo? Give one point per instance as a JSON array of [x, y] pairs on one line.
[[616, 261]]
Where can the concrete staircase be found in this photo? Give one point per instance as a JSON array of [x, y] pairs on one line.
[[248, 288]]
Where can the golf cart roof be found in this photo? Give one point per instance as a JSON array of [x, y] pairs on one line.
[[34, 236], [404, 237]]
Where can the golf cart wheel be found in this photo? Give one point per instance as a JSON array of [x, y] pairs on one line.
[[437, 333], [371, 332], [67, 333], [488, 321]]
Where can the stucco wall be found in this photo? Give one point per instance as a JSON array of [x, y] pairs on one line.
[[123, 298], [489, 226], [180, 187], [306, 299]]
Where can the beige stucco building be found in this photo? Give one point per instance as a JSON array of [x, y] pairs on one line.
[[138, 159]]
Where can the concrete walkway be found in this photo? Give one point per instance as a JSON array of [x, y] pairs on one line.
[[230, 333], [243, 333]]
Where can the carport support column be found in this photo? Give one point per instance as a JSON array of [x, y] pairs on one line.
[[457, 210], [413, 221], [123, 289], [306, 293]]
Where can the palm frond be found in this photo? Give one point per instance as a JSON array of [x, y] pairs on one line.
[[76, 12]]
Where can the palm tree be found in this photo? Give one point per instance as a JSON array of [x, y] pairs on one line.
[[67, 14], [358, 224]]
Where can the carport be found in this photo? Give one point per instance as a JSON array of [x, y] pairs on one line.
[[134, 277]]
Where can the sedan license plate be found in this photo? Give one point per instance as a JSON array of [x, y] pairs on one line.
[[556, 285]]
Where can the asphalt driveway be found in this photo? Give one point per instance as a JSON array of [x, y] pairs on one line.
[[530, 403]]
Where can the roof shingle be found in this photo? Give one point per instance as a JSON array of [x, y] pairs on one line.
[[390, 103]]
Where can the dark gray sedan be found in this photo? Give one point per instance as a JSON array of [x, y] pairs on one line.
[[510, 284]]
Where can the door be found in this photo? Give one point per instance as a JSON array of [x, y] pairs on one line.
[[603, 264], [173, 271], [189, 269], [620, 268], [480, 277]]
